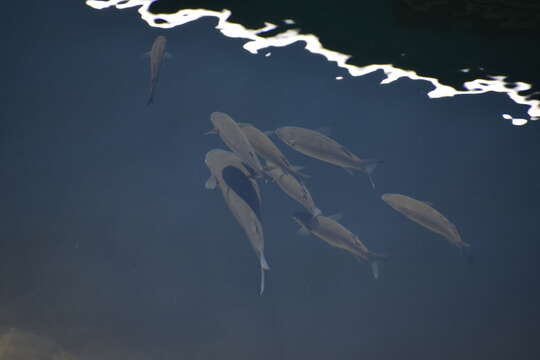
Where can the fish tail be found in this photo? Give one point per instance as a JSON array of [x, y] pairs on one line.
[[375, 261], [374, 269], [150, 97], [264, 263], [262, 282], [153, 83], [264, 267], [369, 166]]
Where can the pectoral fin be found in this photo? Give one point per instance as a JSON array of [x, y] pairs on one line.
[[211, 183]]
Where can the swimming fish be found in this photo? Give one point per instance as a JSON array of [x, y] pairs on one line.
[[235, 139], [266, 149], [329, 230], [425, 215], [156, 57], [241, 197], [316, 145], [292, 187]]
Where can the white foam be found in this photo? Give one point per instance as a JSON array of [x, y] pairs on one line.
[[313, 45]]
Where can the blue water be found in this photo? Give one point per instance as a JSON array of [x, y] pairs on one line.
[[112, 248]]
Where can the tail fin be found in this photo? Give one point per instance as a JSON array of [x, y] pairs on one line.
[[264, 263], [369, 166], [151, 96], [375, 261], [375, 268], [153, 83], [262, 282], [264, 267]]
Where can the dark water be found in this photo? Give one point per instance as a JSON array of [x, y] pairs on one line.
[[111, 247]]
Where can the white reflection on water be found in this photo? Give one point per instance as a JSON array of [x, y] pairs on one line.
[[256, 43]]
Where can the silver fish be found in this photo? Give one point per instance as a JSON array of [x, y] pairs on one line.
[[241, 196], [235, 139], [425, 215], [316, 145], [227, 158], [292, 187], [266, 149], [329, 230]]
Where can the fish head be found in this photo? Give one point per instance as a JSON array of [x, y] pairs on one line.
[[216, 158], [218, 119], [392, 198], [285, 134], [388, 198]]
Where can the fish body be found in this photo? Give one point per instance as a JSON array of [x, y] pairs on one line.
[[156, 58], [265, 148], [292, 187], [425, 215], [218, 159], [335, 234], [242, 196], [316, 145], [235, 139]]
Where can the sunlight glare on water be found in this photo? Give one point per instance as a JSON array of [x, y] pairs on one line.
[[313, 45]]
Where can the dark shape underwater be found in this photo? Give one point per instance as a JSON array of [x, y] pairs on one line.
[[241, 184]]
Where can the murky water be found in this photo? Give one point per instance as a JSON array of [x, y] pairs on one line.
[[112, 248]]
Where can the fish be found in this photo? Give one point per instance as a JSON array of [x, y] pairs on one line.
[[294, 188], [157, 53], [267, 150], [424, 214], [242, 197], [220, 158], [316, 145], [235, 139], [328, 229]]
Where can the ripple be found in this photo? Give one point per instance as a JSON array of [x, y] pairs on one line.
[[256, 42]]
